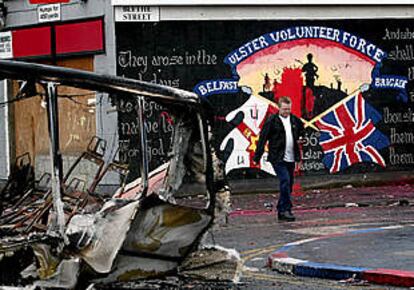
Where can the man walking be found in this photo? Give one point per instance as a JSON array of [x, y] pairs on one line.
[[283, 131]]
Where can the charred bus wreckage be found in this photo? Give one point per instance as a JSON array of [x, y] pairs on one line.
[[60, 229]]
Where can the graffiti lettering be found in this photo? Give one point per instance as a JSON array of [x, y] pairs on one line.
[[398, 117], [201, 57], [361, 45], [403, 54], [312, 139], [155, 79], [411, 73], [151, 107], [129, 128], [151, 127], [127, 60], [155, 149], [124, 106], [301, 32], [158, 125], [130, 153], [210, 87], [312, 155], [398, 34], [390, 82], [166, 124], [248, 49], [400, 158], [254, 113], [306, 32], [132, 128], [311, 166], [175, 83], [165, 60], [401, 137]]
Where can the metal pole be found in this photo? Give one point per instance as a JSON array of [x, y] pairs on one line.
[[143, 143], [56, 158]]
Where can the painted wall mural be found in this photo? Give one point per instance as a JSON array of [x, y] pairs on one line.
[[351, 83], [347, 133]]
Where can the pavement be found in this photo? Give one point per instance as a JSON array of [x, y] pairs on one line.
[[346, 196], [381, 255], [373, 250], [326, 181]]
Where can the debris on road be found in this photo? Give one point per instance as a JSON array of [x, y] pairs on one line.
[[268, 205], [353, 281], [64, 230], [351, 204], [213, 263], [401, 202]]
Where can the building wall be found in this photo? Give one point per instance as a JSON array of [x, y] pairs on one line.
[[106, 115], [4, 139], [22, 14], [232, 58]]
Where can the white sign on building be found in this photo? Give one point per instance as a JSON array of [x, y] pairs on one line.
[[6, 48], [137, 14], [49, 13]]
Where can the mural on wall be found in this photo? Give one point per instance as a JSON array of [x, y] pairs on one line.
[[351, 83], [325, 72]]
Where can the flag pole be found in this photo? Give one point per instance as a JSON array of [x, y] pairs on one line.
[[273, 104], [330, 109], [311, 122]]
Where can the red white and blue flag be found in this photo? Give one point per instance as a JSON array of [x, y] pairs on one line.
[[348, 134]]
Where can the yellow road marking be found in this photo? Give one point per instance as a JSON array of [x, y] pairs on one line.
[[261, 252], [294, 280], [270, 248]]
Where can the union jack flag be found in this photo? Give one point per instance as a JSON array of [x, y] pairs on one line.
[[348, 135]]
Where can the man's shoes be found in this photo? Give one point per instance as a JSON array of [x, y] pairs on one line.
[[286, 216]]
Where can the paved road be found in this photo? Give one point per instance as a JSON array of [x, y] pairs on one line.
[[255, 233], [253, 230]]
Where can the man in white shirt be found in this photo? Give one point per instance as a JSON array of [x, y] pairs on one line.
[[283, 131]]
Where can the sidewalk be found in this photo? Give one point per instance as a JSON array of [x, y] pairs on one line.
[[325, 181], [348, 196], [381, 255]]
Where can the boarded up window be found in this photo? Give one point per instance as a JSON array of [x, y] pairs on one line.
[[77, 119]]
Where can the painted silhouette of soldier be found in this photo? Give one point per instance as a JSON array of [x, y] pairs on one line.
[[266, 85], [310, 71]]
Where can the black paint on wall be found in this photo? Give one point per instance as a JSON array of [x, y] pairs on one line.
[[184, 53]]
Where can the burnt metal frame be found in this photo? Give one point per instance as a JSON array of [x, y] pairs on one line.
[[19, 170], [92, 154], [56, 157], [143, 143], [52, 76]]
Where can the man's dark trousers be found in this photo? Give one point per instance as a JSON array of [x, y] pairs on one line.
[[284, 171]]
